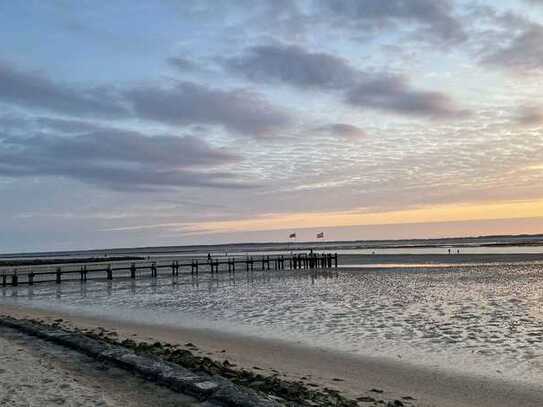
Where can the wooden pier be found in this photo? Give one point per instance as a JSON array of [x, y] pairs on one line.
[[85, 272]]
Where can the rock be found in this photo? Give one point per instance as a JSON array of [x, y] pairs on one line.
[[366, 399]]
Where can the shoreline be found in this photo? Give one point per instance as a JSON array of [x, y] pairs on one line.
[[37, 372], [352, 375]]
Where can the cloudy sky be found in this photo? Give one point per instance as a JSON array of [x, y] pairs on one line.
[[132, 123]]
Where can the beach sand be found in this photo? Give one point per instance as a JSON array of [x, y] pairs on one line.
[[37, 373], [353, 375]]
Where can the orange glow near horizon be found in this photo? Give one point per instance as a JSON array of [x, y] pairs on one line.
[[441, 213]]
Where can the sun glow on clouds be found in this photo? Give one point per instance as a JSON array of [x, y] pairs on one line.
[[357, 217], [224, 118]]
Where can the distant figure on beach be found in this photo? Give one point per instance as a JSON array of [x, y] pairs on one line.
[[209, 257], [457, 251], [449, 251]]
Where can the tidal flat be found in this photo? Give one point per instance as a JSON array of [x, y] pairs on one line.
[[479, 317]]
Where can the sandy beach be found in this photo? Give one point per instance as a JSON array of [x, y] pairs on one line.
[[354, 376], [38, 373]]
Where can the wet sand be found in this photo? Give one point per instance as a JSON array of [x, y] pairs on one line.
[[353, 375]]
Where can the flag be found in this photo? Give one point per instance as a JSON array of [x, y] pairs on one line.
[[292, 236], [320, 235]]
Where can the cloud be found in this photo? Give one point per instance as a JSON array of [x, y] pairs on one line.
[[342, 130], [435, 18], [183, 64], [34, 90], [295, 66], [522, 53], [184, 103], [66, 125], [239, 110], [393, 94], [530, 116], [118, 159]]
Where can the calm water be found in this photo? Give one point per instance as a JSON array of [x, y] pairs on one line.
[[484, 318]]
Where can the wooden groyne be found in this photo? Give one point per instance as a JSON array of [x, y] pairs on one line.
[[85, 272]]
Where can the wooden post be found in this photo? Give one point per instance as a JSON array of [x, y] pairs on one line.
[[58, 275], [109, 273], [335, 260], [4, 279], [85, 273], [173, 268], [14, 279], [176, 268], [31, 278], [263, 262], [267, 262], [133, 271], [154, 272], [196, 266], [247, 263], [217, 266]]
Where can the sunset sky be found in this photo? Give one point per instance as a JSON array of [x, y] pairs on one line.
[[128, 123]]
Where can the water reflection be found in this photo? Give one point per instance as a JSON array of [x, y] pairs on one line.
[[488, 311]]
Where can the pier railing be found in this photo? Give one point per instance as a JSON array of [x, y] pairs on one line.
[[85, 272]]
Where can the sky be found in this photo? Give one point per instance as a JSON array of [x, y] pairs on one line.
[[141, 123]]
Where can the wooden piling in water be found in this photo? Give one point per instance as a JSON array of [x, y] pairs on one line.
[[298, 261]]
